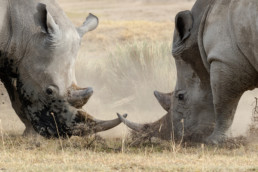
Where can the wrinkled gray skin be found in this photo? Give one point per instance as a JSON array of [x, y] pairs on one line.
[[216, 54], [38, 49]]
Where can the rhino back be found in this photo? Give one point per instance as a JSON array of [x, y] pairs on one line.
[[244, 23]]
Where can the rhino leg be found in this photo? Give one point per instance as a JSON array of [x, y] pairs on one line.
[[10, 86], [29, 130], [226, 91]]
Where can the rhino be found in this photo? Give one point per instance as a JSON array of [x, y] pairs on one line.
[[216, 55], [38, 49]]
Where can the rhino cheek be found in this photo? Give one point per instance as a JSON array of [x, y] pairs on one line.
[[179, 128]]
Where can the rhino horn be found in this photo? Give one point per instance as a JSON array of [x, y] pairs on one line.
[[92, 125], [89, 24], [160, 128], [106, 125], [164, 99], [131, 125], [78, 97]]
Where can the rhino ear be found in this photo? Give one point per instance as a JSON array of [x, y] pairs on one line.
[[46, 21], [89, 24], [184, 24]]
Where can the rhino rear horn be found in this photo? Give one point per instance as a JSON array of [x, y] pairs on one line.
[[78, 97], [46, 21], [89, 24], [164, 99]]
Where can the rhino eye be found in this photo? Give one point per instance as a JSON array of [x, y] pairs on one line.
[[181, 96]]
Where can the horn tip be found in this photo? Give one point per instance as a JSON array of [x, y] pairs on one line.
[[122, 118], [90, 90], [125, 115], [156, 93]]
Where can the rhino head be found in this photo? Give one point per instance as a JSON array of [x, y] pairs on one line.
[[45, 77], [190, 111]]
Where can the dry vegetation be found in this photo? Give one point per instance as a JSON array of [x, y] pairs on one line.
[[95, 154], [124, 60]]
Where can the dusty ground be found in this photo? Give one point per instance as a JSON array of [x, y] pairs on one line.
[[18, 154], [123, 26]]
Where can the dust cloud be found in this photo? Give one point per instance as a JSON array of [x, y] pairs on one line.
[[244, 113]]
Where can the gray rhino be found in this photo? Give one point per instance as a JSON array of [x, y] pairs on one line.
[[38, 49], [216, 54]]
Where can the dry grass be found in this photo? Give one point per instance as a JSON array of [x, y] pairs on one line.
[[113, 32], [91, 154]]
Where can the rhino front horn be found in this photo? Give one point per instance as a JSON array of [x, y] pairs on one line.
[[160, 128], [86, 124], [134, 126], [79, 97]]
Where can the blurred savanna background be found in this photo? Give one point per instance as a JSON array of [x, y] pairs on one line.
[[125, 59]]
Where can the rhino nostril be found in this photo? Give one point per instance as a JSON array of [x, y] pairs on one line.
[[49, 91]]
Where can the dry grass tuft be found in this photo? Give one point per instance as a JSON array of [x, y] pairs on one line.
[[253, 128]]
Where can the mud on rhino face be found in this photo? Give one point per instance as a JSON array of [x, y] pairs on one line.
[[46, 79]]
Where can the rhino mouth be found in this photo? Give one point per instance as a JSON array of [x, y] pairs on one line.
[[165, 129], [50, 124], [82, 124]]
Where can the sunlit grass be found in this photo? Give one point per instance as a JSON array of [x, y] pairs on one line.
[[110, 33], [91, 154]]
